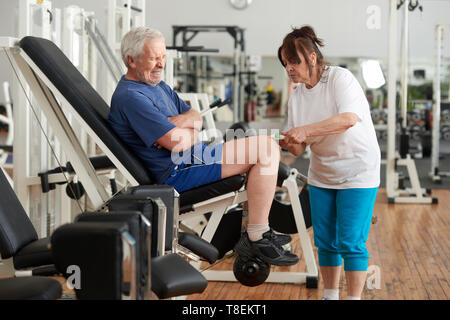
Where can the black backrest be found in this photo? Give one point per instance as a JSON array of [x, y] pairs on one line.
[[84, 99], [96, 249], [134, 222], [16, 229]]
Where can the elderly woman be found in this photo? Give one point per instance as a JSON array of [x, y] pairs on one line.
[[329, 112]]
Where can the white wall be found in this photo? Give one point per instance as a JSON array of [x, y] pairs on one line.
[[341, 23]]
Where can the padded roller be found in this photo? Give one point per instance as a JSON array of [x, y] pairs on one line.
[[98, 162], [30, 288], [228, 231], [172, 276], [283, 173], [198, 246], [281, 216]]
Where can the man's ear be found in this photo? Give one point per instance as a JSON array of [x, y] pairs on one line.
[[131, 62]]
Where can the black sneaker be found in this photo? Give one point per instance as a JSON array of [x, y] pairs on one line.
[[265, 249], [282, 239]]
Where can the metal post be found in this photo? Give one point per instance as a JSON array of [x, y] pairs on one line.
[[438, 31], [392, 84], [404, 96]]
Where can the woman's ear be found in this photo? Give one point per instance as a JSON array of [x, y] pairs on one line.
[[313, 59]]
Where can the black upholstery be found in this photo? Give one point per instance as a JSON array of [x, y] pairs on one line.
[[172, 276], [198, 246], [18, 238], [96, 248], [36, 253], [211, 190], [283, 173], [16, 229], [30, 288], [84, 99], [98, 162], [134, 221], [137, 196], [149, 209]]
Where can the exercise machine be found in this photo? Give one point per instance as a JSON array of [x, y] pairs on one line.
[[395, 191], [435, 174], [188, 32], [7, 123]]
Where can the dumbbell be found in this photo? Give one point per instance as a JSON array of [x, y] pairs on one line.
[[445, 115], [445, 133], [376, 115], [416, 132]]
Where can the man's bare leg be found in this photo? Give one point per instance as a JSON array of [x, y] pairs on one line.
[[258, 156]]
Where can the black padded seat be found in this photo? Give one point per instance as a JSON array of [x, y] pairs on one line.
[[172, 276], [208, 191], [35, 254], [30, 288], [84, 99], [18, 238]]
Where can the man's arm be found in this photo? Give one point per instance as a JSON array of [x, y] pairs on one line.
[[178, 139], [191, 119], [185, 134]]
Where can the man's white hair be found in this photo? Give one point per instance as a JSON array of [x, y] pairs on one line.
[[133, 42]]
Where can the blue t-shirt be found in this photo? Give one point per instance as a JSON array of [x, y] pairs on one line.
[[139, 114]]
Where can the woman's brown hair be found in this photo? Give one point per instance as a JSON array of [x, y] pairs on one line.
[[305, 41]]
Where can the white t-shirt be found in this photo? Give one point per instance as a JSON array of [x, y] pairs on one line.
[[340, 161]]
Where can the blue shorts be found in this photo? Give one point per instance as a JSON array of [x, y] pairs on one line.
[[341, 220], [202, 167]]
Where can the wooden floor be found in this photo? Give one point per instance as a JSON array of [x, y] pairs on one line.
[[409, 243]]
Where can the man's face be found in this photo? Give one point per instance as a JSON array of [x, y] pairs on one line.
[[151, 63]]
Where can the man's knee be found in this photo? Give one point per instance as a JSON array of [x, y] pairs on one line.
[[269, 149]]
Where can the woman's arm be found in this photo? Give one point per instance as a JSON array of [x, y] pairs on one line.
[[334, 125], [295, 148]]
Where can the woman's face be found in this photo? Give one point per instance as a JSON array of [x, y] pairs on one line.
[[298, 72]]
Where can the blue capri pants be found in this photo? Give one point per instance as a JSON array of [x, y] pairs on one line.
[[341, 220]]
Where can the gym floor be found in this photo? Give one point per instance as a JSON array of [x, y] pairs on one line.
[[409, 243]]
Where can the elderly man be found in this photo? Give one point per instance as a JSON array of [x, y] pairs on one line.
[[150, 117]]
